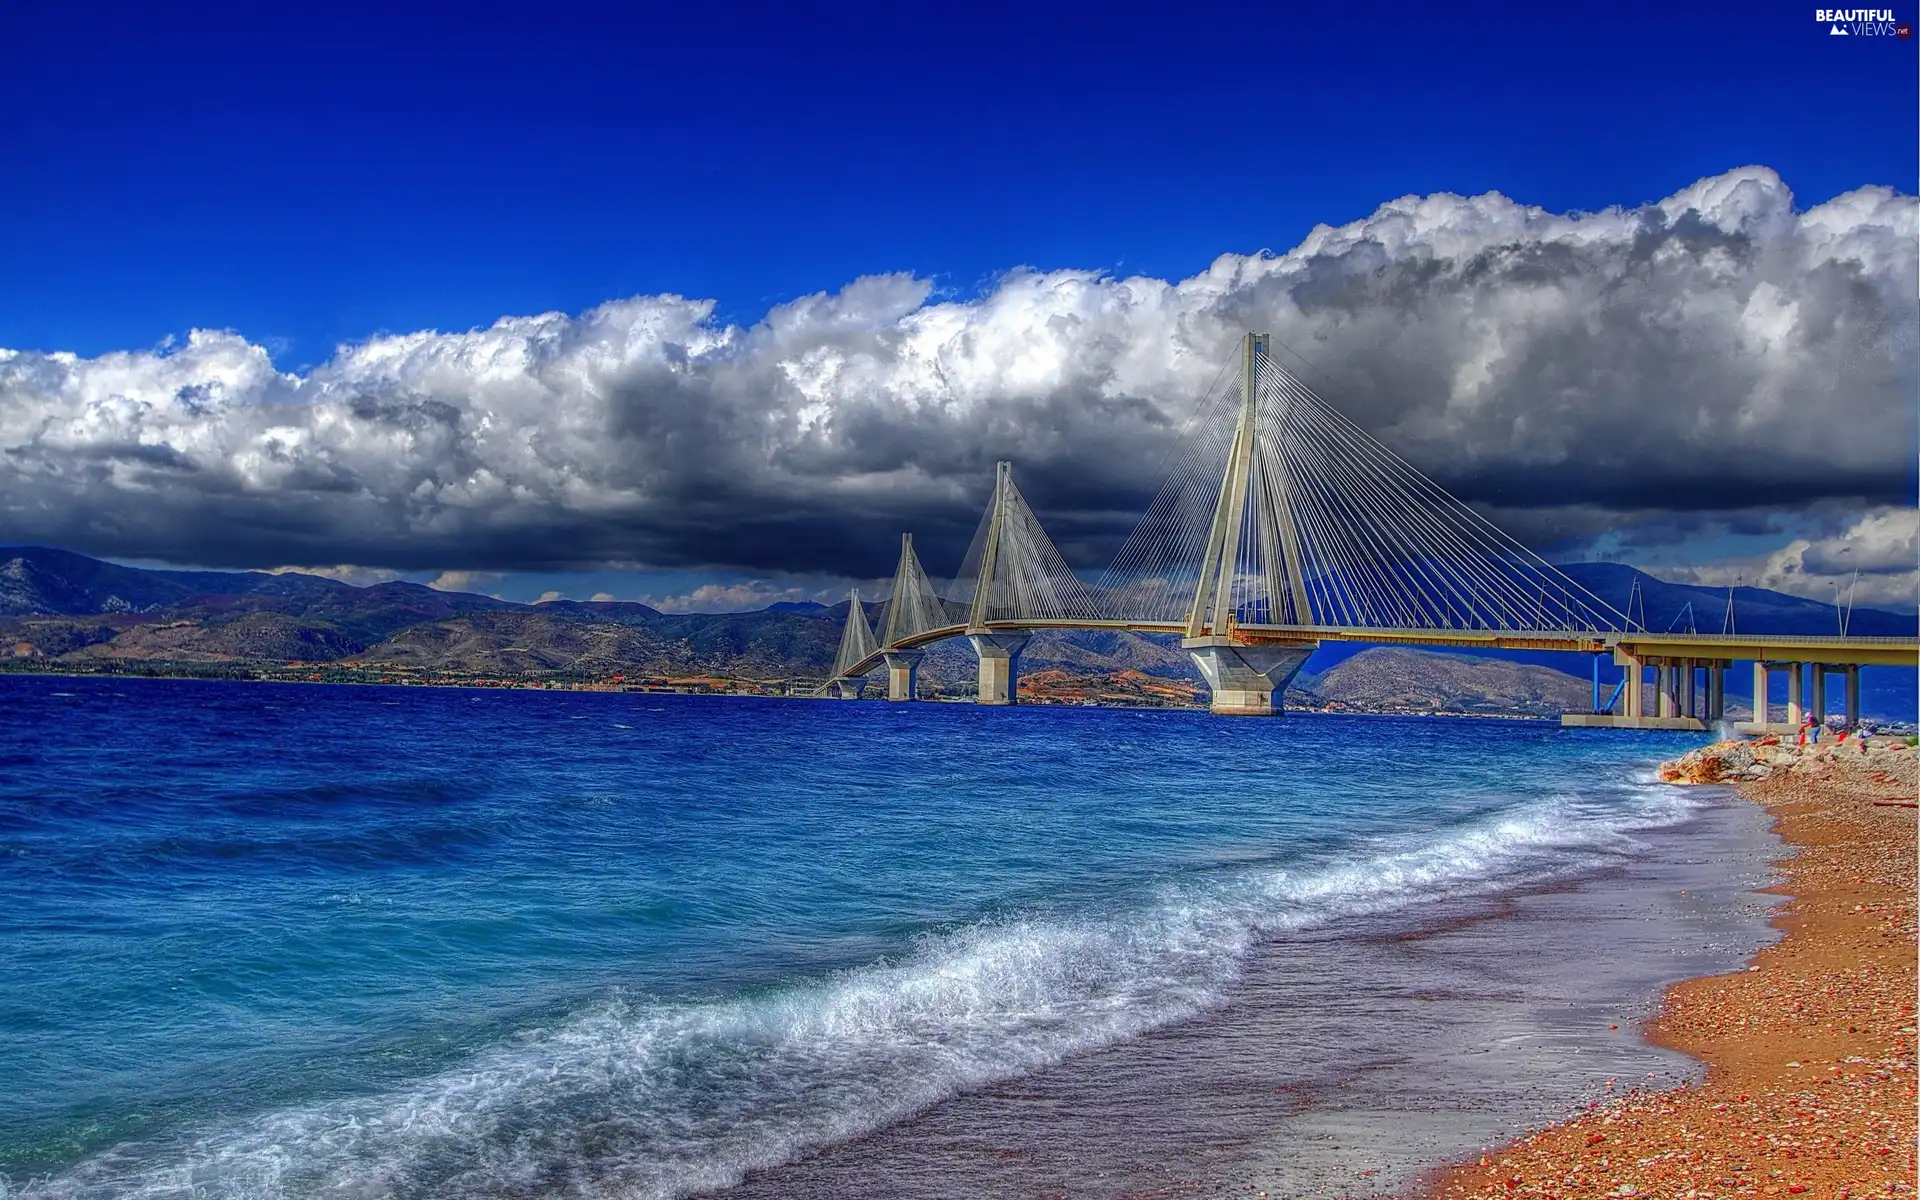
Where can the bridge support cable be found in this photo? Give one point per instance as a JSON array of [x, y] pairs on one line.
[[1392, 546], [857, 642], [1310, 524], [1153, 576], [915, 606], [1013, 571]]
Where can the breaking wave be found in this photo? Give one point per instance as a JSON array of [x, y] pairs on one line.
[[635, 1098]]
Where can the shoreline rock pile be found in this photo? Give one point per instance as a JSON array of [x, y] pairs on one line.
[[1745, 761]]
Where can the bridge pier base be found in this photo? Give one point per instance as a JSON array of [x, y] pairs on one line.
[[847, 689], [903, 674], [1716, 692], [1247, 681], [999, 655], [1675, 700]]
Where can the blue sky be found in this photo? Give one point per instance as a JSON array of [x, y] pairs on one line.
[[312, 176], [307, 175]]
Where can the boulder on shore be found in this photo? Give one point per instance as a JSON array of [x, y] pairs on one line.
[[1741, 760]]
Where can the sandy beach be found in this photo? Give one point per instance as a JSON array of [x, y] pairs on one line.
[[1810, 1050]]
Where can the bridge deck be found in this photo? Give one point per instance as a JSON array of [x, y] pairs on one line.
[[1836, 650]]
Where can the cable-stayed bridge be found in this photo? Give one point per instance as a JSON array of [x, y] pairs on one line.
[[1283, 525]]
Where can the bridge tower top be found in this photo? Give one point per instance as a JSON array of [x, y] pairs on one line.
[[915, 607], [1012, 569], [990, 552], [1211, 613], [856, 640]]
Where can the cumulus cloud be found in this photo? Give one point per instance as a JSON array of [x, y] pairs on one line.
[[1714, 352], [548, 596], [602, 597], [344, 572], [747, 596], [1874, 560], [463, 581]]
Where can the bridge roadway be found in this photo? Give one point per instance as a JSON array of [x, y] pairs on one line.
[[1675, 658]]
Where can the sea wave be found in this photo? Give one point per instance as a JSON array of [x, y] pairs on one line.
[[636, 1098]]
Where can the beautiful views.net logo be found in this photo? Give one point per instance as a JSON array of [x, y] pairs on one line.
[[1861, 22]]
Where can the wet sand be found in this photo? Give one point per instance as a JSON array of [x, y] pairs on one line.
[[1810, 1050], [1350, 1059]]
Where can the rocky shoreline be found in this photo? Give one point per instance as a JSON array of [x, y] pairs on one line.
[[1810, 1049], [1883, 759]]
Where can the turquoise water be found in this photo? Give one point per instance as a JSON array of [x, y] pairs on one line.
[[262, 940]]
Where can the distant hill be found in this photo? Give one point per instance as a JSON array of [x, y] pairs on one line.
[[36, 580], [625, 612], [1680, 606], [1396, 679], [57, 607]]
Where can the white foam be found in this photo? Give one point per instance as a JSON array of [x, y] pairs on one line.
[[642, 1099]]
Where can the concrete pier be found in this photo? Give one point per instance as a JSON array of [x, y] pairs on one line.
[[1850, 694], [999, 655], [848, 689], [903, 674], [1677, 702], [1247, 681], [1797, 697]]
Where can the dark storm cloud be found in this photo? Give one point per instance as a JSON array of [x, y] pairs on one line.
[[1713, 353]]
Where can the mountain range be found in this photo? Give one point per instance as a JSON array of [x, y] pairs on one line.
[[62, 610]]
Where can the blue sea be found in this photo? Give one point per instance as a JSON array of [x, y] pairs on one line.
[[295, 941]]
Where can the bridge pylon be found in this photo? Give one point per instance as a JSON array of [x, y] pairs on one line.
[[998, 654], [857, 644], [915, 608], [990, 549], [1246, 679], [1017, 578]]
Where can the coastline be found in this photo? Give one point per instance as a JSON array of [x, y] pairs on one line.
[[1341, 1054], [1369, 948], [1809, 1050], [521, 685], [1346, 1060]]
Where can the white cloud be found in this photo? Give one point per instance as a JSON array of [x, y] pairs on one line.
[[345, 573], [602, 597], [549, 596], [748, 596], [1714, 351], [1882, 546], [463, 581]]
